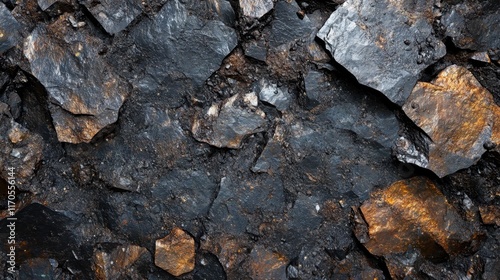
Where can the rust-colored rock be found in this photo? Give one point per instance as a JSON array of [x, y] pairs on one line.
[[415, 214], [175, 253], [265, 264], [460, 117], [113, 264], [490, 214]]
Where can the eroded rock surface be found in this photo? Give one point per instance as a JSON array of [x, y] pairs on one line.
[[113, 16], [385, 44], [459, 116], [63, 59], [414, 213], [256, 8]]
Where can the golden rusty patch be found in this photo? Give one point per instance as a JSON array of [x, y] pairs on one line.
[[414, 213], [457, 113], [175, 253]]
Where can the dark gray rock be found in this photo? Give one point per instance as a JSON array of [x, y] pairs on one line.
[[228, 123], [46, 4], [271, 157], [287, 26], [255, 8], [176, 41], [384, 44], [187, 193], [9, 29], [63, 59], [256, 50], [114, 16], [474, 25], [272, 94], [235, 210]]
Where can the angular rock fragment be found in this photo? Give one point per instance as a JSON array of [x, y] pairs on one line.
[[85, 95], [265, 264], [473, 25], [9, 29], [270, 159], [20, 149], [481, 57], [256, 50], [415, 214], [226, 124], [112, 261], [176, 41], [175, 253], [287, 26], [385, 44], [114, 16], [272, 94], [459, 116], [255, 8]]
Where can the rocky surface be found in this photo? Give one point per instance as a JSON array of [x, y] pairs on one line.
[[184, 139], [460, 117], [385, 44]]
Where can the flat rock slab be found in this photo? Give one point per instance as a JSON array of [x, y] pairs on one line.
[[384, 44], [228, 123], [114, 16], [459, 116], [414, 213], [175, 253], [64, 59], [9, 29], [175, 40]]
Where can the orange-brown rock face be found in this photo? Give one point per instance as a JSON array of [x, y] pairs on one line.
[[490, 214], [460, 117], [265, 264], [175, 253], [415, 214], [113, 264]]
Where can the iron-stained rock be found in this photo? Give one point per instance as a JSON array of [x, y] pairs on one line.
[[270, 92], [64, 60], [112, 261], [490, 214], [176, 41], [9, 29], [255, 8], [473, 25], [458, 115], [227, 123], [20, 149], [385, 44], [265, 264], [481, 57], [287, 26], [175, 253], [414, 213], [114, 16]]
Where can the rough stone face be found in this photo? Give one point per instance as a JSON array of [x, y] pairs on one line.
[[414, 213], [175, 253], [226, 124], [20, 149], [114, 16], [63, 59], [9, 29], [255, 8], [270, 159], [272, 94], [175, 41], [460, 117], [287, 26], [474, 25], [46, 4], [264, 264], [490, 214], [385, 44], [113, 263]]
